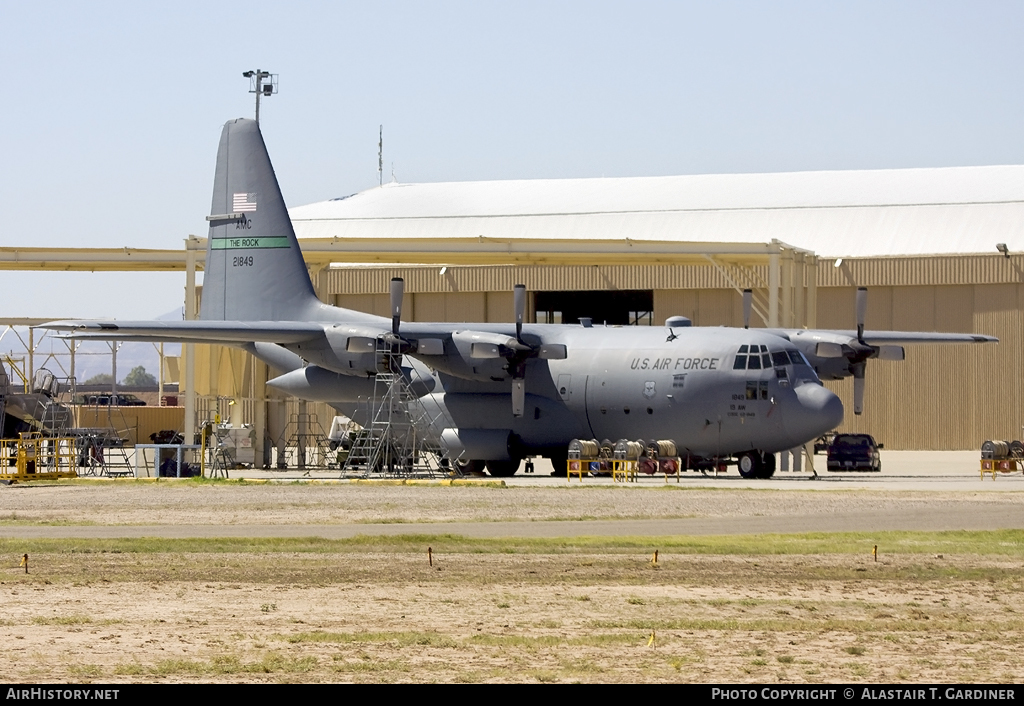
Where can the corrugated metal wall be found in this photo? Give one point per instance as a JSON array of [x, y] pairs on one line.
[[133, 423], [869, 272], [941, 396], [370, 280]]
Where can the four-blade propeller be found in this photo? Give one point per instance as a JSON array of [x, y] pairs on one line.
[[856, 350]]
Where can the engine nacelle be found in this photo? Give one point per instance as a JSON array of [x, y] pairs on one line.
[[320, 385], [471, 355], [344, 349], [483, 355]]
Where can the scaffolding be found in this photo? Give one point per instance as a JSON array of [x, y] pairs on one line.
[[312, 448], [396, 443]]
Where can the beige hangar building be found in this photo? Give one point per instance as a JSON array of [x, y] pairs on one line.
[[638, 250]]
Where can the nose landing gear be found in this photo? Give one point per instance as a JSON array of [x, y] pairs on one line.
[[756, 464]]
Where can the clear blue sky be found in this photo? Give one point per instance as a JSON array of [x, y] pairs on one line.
[[111, 112]]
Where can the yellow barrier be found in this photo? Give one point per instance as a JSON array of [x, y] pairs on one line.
[[34, 457], [1002, 465], [624, 470]]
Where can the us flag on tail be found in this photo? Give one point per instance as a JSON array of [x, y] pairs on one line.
[[243, 202]]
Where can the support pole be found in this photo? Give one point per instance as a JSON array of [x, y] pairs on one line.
[[812, 292], [189, 349], [259, 395], [773, 289], [800, 280], [786, 287]]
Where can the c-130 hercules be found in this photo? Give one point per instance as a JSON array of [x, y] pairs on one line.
[[508, 391]]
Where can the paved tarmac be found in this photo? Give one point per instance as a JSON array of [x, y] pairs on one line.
[[945, 472], [901, 470], [967, 517]]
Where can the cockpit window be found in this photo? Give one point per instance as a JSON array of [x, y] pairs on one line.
[[757, 357]]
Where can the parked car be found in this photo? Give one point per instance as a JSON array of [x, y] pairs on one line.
[[854, 452]]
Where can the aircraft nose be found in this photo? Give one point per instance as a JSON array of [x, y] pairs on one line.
[[818, 410]]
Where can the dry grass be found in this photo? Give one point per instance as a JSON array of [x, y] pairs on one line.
[[770, 608], [363, 613]]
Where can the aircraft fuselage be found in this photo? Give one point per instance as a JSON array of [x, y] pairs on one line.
[[682, 384]]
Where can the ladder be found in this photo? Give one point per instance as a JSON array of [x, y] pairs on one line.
[[396, 442]]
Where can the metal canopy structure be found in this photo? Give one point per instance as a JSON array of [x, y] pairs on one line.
[[786, 299], [91, 259]]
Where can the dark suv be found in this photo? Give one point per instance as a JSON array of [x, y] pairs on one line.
[[854, 452]]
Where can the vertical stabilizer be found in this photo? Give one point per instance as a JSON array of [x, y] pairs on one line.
[[254, 268]]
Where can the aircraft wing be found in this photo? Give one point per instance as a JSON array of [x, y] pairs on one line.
[[877, 338], [228, 332], [839, 354], [904, 337]]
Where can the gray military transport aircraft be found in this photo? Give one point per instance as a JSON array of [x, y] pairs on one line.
[[508, 391]]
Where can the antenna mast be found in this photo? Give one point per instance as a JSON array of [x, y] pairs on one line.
[[380, 158], [262, 83]]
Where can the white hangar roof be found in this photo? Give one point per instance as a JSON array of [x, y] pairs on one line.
[[834, 213]]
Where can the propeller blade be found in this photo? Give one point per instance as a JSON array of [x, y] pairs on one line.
[[748, 302], [519, 300], [518, 396], [858, 386], [519, 369], [862, 310], [397, 292]]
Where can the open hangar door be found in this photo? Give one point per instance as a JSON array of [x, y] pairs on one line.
[[615, 308]]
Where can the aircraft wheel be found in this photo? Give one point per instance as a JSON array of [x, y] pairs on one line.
[[503, 469], [767, 466], [749, 464], [469, 467]]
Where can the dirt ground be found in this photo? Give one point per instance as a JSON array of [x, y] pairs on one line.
[[373, 615]]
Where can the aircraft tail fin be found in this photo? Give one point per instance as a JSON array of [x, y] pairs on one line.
[[254, 268]]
